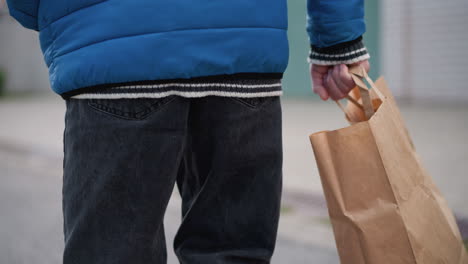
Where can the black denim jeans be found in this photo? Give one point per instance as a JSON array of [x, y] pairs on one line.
[[124, 156]]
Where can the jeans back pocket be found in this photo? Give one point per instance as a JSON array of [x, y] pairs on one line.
[[131, 109]]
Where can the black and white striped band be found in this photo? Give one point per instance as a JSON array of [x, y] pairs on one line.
[[343, 53], [200, 87]]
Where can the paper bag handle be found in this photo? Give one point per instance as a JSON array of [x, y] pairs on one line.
[[358, 73]]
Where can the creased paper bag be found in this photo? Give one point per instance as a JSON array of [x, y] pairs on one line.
[[383, 205]]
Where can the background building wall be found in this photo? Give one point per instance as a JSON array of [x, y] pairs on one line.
[[21, 58], [424, 49]]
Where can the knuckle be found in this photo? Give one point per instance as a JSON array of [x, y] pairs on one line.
[[345, 88], [344, 91], [335, 72], [343, 75]]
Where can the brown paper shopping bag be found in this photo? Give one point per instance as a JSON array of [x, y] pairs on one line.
[[383, 205]]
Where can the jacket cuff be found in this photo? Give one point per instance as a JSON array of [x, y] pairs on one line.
[[344, 53]]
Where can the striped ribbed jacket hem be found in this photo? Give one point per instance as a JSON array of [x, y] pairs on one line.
[[235, 85]]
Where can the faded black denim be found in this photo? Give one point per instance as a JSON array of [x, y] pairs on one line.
[[124, 156]]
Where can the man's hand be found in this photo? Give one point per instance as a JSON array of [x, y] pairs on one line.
[[333, 81]]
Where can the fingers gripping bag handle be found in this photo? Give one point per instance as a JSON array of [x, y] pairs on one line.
[[360, 97]]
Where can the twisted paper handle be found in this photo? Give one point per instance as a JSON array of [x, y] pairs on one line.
[[358, 73]]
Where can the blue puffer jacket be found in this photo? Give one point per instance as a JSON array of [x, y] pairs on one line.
[[91, 42]]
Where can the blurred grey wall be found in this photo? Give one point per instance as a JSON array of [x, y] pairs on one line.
[[21, 58], [424, 49]]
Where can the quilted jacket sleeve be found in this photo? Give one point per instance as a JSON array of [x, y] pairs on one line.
[[335, 30], [25, 12]]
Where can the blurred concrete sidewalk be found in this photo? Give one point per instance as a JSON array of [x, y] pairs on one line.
[[31, 129]]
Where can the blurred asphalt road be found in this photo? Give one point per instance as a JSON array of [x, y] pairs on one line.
[[30, 175]]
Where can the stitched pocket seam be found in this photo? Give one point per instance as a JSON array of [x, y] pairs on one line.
[[139, 115]]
